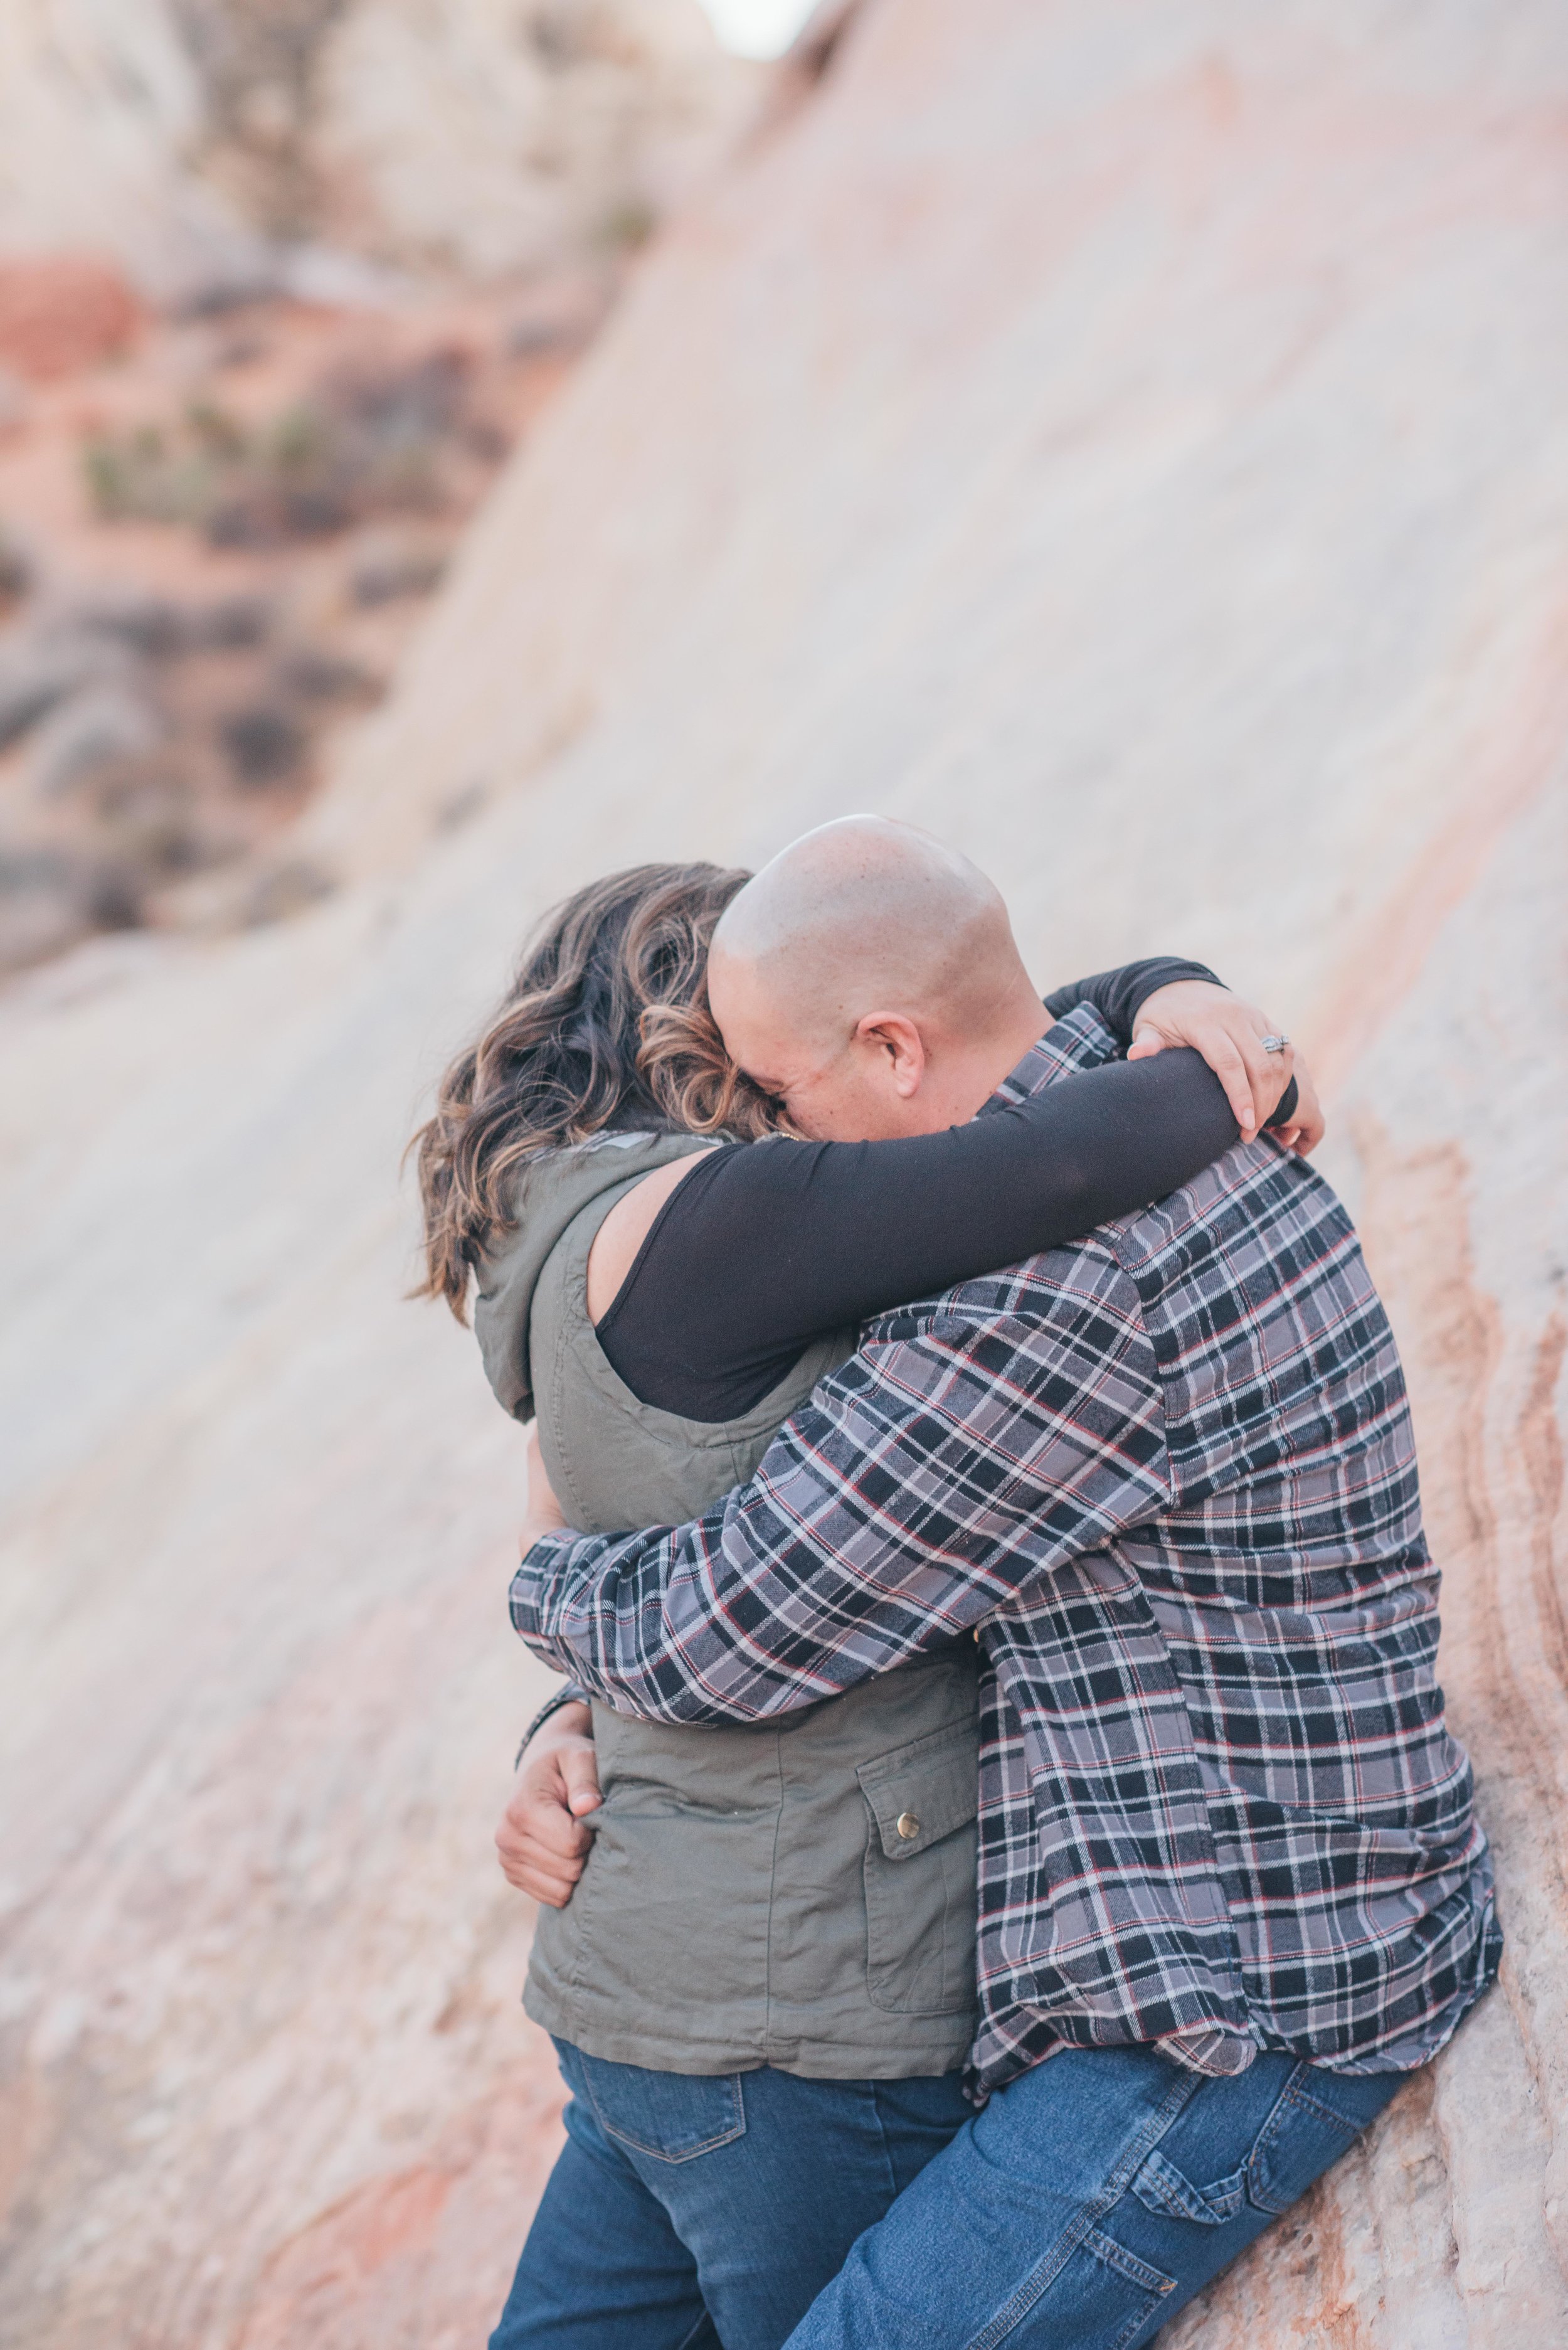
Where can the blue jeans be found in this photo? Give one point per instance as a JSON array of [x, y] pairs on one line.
[[1089, 2199], [686, 2211]]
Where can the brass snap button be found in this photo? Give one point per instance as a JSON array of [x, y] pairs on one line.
[[908, 1825]]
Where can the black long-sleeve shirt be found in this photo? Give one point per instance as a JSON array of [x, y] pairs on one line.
[[766, 1245]]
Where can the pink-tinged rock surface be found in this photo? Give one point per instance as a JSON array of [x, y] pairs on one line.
[[1130, 439]]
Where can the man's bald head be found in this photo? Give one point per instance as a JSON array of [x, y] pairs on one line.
[[868, 913], [863, 943]]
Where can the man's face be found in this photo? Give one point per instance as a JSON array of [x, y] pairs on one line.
[[850, 1094]]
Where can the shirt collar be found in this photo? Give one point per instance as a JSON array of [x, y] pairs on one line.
[[1084, 1040]]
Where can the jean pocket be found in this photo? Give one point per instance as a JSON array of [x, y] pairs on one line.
[[1167, 2192], [1301, 2137], [1101, 2294], [673, 2116]]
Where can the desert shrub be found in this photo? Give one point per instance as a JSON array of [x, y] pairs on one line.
[[264, 743], [366, 440]]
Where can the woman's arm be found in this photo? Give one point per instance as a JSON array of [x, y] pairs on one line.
[[762, 1247], [1124, 999], [1119, 995]]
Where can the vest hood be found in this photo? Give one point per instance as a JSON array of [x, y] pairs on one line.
[[553, 1191]]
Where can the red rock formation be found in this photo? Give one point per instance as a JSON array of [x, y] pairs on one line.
[[63, 313]]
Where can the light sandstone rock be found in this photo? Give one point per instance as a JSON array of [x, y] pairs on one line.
[[491, 136], [209, 148], [100, 103], [1131, 440]]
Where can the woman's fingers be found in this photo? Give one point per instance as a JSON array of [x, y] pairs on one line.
[[1229, 1032], [1223, 1052], [1270, 1074], [1229, 1036], [1220, 1046], [1307, 1124]]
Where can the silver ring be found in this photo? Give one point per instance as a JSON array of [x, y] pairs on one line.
[[1274, 1043]]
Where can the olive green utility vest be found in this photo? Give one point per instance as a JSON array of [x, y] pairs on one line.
[[798, 1893]]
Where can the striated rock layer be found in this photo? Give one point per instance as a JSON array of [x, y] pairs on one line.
[[1132, 440]]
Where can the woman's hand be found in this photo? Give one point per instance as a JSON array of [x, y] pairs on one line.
[[543, 1513], [1304, 1130], [1229, 1032]]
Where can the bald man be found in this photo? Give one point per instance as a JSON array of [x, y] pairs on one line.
[[1232, 1890], [869, 978]]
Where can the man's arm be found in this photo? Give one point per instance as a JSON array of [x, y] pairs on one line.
[[932, 1477]]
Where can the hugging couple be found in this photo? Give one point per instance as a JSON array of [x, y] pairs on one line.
[[999, 1838]]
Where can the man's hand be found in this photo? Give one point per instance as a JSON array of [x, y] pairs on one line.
[[1229, 1032], [542, 1841]]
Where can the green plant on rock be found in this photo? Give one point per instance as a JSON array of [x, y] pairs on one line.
[[371, 441]]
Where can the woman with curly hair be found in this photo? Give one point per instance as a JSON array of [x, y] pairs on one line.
[[760, 1987]]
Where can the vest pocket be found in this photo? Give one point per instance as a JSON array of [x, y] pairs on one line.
[[919, 1873]]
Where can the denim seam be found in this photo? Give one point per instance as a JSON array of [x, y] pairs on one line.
[[1263, 2143], [1134, 2327], [1166, 2191], [1305, 2097], [1292, 2099], [887, 2163], [1150, 2279], [1183, 2090], [1137, 2270]]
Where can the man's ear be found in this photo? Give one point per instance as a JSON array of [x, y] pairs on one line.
[[899, 1047]]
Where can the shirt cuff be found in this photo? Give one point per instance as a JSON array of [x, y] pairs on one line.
[[568, 1694]]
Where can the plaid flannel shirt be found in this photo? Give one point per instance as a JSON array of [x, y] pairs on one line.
[[1167, 1474]]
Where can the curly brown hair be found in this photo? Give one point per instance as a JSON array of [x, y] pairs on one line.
[[605, 1026]]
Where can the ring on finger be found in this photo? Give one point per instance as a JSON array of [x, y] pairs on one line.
[[1274, 1043]]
